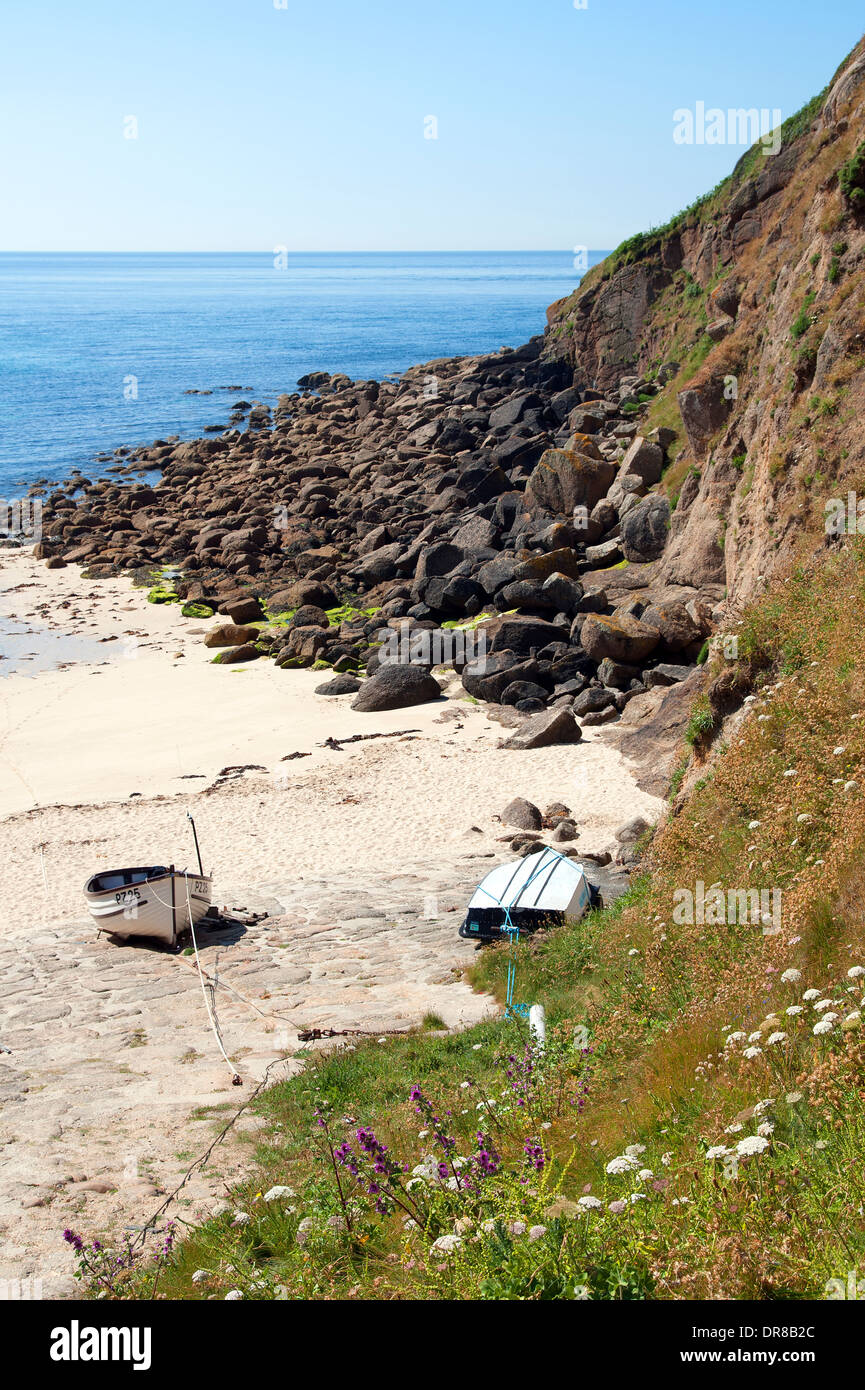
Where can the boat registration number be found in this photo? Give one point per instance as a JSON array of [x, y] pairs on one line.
[[128, 895], [200, 888]]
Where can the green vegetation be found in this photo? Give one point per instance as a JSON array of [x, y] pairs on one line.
[[851, 177]]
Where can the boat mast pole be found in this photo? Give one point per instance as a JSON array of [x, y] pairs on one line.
[[197, 850]]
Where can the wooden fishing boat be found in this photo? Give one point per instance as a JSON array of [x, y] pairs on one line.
[[152, 901]]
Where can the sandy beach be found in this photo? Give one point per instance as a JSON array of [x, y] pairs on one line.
[[361, 858]]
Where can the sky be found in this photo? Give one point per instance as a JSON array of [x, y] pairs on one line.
[[305, 124]]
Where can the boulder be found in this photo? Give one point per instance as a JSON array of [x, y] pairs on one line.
[[563, 480], [644, 459], [247, 652], [619, 636], [230, 635], [310, 615], [542, 730], [521, 635], [395, 686], [340, 685], [630, 832], [242, 610], [303, 591], [489, 676], [522, 814], [645, 529], [677, 628], [519, 691]]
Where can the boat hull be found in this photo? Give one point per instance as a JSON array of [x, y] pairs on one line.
[[130, 903]]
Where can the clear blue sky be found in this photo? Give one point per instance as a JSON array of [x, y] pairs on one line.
[[304, 126]]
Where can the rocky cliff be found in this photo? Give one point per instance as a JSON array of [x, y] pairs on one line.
[[747, 312]]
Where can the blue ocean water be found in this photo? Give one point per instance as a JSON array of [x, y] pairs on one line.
[[96, 351]]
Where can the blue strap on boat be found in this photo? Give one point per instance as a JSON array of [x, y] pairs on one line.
[[512, 930]]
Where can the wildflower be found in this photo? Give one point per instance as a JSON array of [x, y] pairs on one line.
[[775, 1038], [617, 1208], [637, 1197], [853, 1020], [791, 977], [589, 1202], [633, 1150], [794, 1009], [199, 1276], [789, 772], [824, 1026], [476, 1047], [822, 1004], [666, 1159], [645, 1175], [821, 1144], [733, 1129], [793, 1098], [446, 1244], [624, 1164], [233, 1295], [274, 1194], [716, 1151], [811, 994], [856, 972], [517, 1228], [633, 951], [735, 1038], [754, 1037], [753, 1144], [753, 825], [765, 1129], [241, 1219], [751, 1052], [464, 1085], [536, 1232]]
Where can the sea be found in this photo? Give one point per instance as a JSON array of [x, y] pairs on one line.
[[100, 351]]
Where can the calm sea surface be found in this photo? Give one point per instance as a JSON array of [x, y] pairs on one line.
[[97, 351]]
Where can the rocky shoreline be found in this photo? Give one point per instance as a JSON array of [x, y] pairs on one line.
[[498, 492]]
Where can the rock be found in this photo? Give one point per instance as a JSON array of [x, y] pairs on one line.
[[645, 529], [522, 814], [591, 700], [556, 810], [564, 832], [543, 730], [303, 591], [563, 480], [620, 636], [518, 691], [55, 563], [340, 685], [630, 832], [521, 635], [230, 657], [310, 615], [230, 635], [395, 686], [601, 716], [644, 459], [667, 674], [704, 409], [489, 676], [616, 674], [605, 555], [243, 610], [677, 627]]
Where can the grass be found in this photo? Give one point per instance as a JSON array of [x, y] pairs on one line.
[[645, 1011]]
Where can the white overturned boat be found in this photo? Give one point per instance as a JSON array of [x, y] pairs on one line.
[[152, 901], [541, 890]]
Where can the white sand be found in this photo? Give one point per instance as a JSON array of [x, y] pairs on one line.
[[363, 858], [148, 720]]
